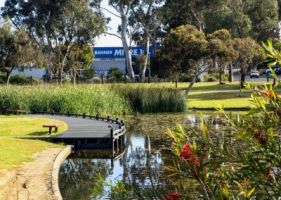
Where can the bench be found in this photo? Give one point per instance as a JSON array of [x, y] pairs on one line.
[[52, 126], [17, 111]]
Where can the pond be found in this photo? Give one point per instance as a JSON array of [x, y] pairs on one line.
[[140, 168]]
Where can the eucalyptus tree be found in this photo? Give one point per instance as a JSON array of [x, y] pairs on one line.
[[17, 50], [175, 13], [143, 20], [248, 50], [79, 57], [221, 50], [56, 25], [185, 50], [123, 9]]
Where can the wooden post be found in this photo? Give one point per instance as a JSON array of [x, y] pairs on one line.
[[107, 118], [84, 115], [112, 141]]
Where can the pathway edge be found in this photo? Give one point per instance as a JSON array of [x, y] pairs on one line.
[[60, 158]]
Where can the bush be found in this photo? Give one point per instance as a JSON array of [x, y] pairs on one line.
[[19, 80], [187, 78], [214, 77], [96, 80], [240, 155], [115, 74]]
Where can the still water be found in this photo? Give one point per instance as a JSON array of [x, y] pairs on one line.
[[140, 168]]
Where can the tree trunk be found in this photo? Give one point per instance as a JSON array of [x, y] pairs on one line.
[[176, 81], [274, 81], [128, 56], [74, 77], [191, 84], [8, 77], [230, 73], [220, 76], [60, 74], [243, 79], [146, 53]]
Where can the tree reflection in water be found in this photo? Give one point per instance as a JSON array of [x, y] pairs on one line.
[[141, 166]]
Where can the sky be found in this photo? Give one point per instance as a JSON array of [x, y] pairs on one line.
[[103, 40]]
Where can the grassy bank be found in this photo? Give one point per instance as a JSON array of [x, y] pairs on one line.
[[27, 126], [14, 152]]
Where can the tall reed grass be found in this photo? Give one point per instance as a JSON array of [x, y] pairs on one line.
[[82, 99], [153, 100], [91, 99]]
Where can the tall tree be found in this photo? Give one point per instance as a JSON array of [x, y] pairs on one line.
[[247, 50], [56, 25], [17, 50], [257, 19], [185, 50], [265, 19], [221, 50], [143, 20], [79, 57], [123, 9], [180, 12]]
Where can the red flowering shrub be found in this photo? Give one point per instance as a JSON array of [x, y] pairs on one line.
[[172, 196]]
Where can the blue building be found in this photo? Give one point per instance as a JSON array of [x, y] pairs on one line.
[[109, 57]]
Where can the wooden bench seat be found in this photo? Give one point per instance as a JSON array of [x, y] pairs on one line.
[[52, 126], [17, 111]]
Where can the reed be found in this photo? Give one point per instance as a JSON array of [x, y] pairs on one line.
[[82, 99], [91, 99]]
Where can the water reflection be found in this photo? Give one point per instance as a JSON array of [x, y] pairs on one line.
[[141, 165]]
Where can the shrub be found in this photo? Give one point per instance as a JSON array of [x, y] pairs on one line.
[[96, 80], [214, 77], [19, 80], [240, 159], [115, 74]]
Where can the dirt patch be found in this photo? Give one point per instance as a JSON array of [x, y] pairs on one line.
[[31, 181]]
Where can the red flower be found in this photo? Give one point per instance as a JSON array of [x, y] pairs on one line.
[[185, 152], [260, 137], [173, 196]]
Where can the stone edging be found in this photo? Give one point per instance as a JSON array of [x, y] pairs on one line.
[[60, 158]]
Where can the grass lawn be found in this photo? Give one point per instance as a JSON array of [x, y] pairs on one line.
[[228, 100], [27, 126], [212, 95], [13, 151]]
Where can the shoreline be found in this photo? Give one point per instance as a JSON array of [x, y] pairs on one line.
[[34, 180]]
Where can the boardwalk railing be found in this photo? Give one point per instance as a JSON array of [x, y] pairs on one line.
[[115, 134]]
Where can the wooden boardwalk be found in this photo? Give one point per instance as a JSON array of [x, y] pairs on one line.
[[89, 132]]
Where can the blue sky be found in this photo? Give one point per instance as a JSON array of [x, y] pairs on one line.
[[103, 41]]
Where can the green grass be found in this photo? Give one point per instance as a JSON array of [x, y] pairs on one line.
[[14, 152], [212, 95], [27, 126], [228, 100]]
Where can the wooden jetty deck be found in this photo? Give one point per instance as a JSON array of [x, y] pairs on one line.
[[89, 132]]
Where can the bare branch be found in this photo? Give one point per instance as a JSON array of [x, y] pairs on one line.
[[113, 34], [112, 13]]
